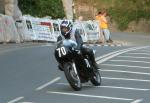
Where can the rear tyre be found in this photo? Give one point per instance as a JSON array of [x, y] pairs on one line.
[[96, 78], [72, 77]]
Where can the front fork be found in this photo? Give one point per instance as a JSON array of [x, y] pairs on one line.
[[74, 68]]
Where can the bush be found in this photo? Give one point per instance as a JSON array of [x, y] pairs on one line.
[[126, 11]]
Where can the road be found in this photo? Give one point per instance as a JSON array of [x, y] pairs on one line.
[[29, 75]]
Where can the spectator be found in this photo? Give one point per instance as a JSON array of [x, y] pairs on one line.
[[104, 26], [98, 18]]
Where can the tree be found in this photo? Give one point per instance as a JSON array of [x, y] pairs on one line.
[[42, 8]]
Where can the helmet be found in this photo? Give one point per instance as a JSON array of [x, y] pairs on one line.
[[66, 27]]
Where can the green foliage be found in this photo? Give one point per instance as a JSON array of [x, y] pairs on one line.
[[126, 11], [41, 8]]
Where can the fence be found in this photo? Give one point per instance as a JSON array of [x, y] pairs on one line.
[[42, 29]]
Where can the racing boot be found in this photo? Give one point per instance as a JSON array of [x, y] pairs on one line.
[[94, 62], [96, 65]]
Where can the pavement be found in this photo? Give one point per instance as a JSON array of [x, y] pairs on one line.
[[131, 39], [29, 73]]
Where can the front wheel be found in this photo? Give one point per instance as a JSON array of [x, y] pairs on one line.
[[96, 78], [72, 76]]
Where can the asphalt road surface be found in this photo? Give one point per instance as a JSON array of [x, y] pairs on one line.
[[29, 74]]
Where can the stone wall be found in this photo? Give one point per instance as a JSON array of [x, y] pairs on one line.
[[86, 9], [141, 26], [10, 7]]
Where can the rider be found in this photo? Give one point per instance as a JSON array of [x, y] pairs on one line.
[[73, 38]]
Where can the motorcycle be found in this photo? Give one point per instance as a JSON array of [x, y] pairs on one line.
[[77, 68]]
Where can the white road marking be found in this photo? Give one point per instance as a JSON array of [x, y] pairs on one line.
[[144, 51], [126, 79], [137, 101], [130, 66], [130, 61], [139, 53], [119, 53], [114, 52], [106, 55], [112, 87], [89, 96], [120, 71], [147, 49], [134, 57], [126, 88], [49, 83], [16, 100], [26, 102]]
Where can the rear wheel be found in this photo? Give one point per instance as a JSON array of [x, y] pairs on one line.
[[72, 76], [96, 78]]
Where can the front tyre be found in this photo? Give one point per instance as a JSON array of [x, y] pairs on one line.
[[96, 78], [72, 76]]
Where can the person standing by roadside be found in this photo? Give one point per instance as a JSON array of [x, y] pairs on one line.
[[104, 26], [98, 18]]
